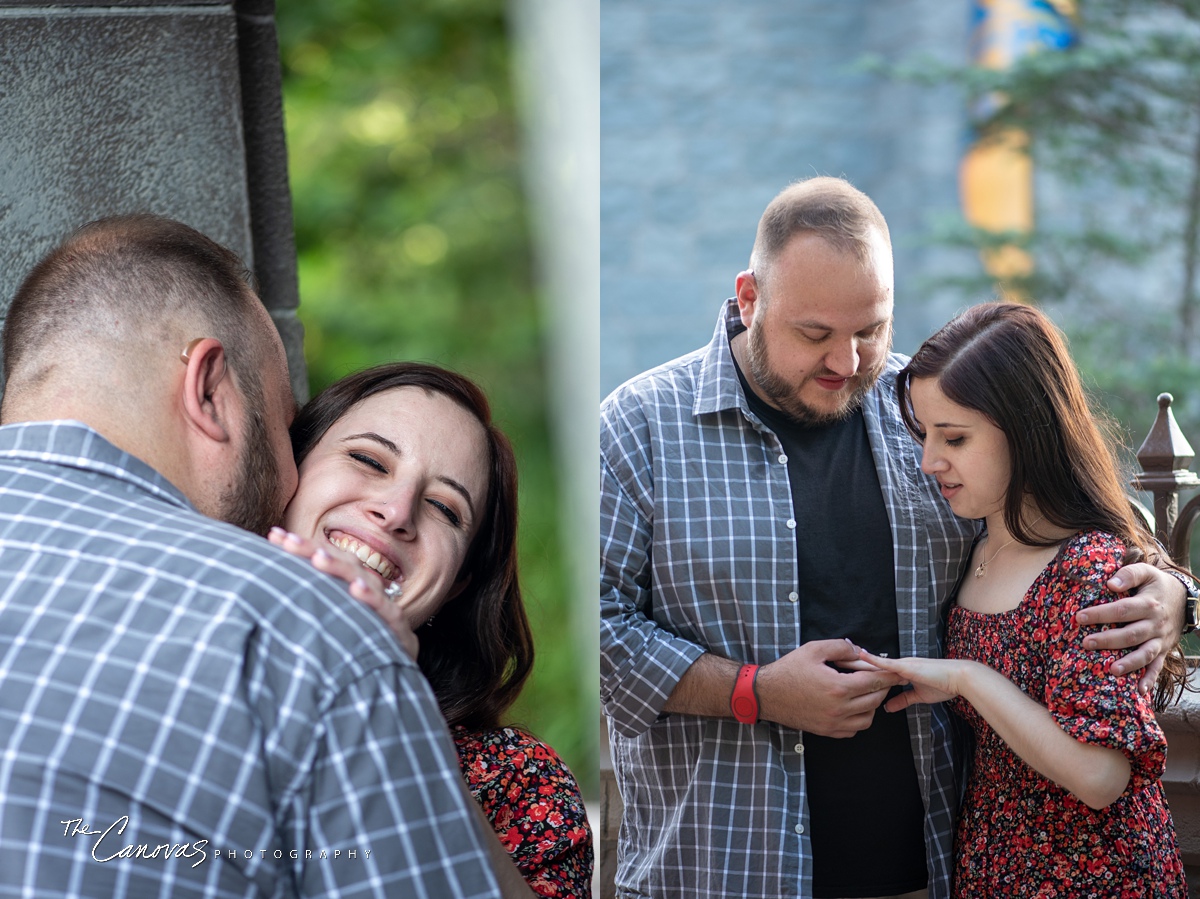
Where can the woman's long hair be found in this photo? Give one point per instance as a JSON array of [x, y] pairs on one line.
[[479, 652], [1010, 363]]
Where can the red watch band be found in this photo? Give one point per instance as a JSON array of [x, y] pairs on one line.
[[744, 701]]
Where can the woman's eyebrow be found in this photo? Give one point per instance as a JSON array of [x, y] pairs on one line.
[[395, 451], [377, 438], [460, 489]]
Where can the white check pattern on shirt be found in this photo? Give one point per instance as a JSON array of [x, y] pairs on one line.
[[696, 555], [177, 672]]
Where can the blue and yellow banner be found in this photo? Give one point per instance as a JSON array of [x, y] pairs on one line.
[[996, 174]]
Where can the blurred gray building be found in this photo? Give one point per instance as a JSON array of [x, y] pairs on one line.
[[708, 109]]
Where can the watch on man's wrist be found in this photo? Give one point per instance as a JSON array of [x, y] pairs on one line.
[[744, 701], [1191, 612], [1191, 605]]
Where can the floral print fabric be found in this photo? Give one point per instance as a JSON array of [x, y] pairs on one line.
[[1020, 834], [534, 805]]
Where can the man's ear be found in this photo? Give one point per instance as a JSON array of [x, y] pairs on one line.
[[746, 288], [205, 385]]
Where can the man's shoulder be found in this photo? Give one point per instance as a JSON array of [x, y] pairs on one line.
[[293, 605], [165, 553], [672, 382], [881, 399], [895, 362], [651, 401]]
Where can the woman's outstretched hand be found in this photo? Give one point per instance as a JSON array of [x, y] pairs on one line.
[[365, 585], [932, 680]]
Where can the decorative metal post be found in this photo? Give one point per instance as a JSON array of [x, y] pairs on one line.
[[1165, 456]]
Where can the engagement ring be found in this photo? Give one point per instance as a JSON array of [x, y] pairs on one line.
[[392, 591]]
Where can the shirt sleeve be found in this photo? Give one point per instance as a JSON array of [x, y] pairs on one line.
[[535, 807], [640, 662], [384, 781], [1090, 702]]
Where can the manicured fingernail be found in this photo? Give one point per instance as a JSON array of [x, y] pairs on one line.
[[320, 556], [1081, 617], [278, 531], [1117, 582], [359, 583]]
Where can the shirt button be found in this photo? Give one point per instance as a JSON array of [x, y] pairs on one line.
[[783, 459], [791, 523], [799, 749], [799, 828], [793, 597]]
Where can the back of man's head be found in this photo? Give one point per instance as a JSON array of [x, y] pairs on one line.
[[149, 333], [97, 305]]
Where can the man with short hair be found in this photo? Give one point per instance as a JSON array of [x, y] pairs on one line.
[[185, 709], [761, 506]]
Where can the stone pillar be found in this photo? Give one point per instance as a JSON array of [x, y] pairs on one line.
[[170, 107]]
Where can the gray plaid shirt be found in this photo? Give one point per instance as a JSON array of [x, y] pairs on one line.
[[697, 553], [187, 711]]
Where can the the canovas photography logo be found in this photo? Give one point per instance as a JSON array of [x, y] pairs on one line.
[[109, 845]]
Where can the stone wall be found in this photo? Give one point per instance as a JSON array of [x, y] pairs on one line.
[[171, 107]]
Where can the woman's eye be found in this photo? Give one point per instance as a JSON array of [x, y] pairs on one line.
[[955, 441], [369, 461], [446, 511]]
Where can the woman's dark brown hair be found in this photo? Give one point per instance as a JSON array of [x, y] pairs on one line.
[[479, 652], [1010, 363]]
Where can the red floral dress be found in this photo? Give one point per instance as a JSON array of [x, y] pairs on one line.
[[533, 802], [1022, 835]]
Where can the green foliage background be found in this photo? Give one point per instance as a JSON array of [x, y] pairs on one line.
[[413, 243]]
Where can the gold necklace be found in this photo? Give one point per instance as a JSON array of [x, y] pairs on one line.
[[981, 570]]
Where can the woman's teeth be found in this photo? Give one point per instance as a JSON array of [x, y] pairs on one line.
[[366, 555]]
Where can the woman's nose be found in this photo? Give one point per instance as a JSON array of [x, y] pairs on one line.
[[931, 462], [394, 511]]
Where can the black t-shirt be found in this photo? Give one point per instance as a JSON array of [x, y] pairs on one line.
[[866, 816]]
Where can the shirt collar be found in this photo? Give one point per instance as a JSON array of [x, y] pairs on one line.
[[75, 445], [719, 387]]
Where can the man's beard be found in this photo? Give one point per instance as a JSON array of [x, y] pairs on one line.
[[254, 501], [785, 395]]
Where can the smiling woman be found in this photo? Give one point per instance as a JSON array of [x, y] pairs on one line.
[[396, 481], [403, 474]]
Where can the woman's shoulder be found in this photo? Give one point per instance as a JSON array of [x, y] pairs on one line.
[[1087, 560], [508, 752], [534, 804], [1094, 553], [502, 742], [516, 775]]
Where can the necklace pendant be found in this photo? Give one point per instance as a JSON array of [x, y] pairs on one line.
[[979, 570]]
